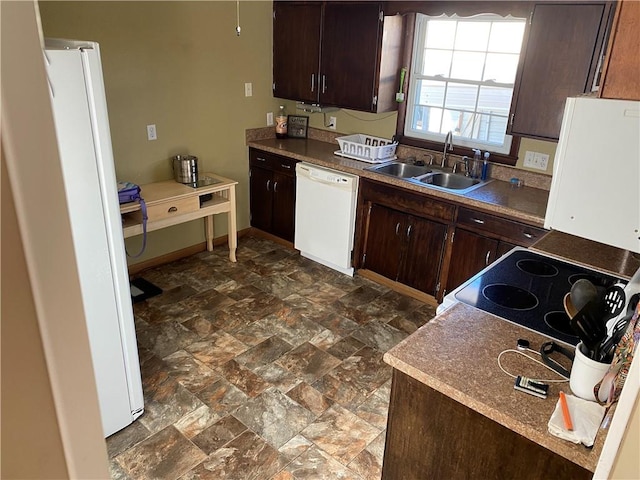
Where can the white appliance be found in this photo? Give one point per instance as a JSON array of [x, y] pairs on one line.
[[325, 215], [84, 142], [595, 189]]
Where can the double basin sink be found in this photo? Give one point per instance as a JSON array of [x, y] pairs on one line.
[[429, 176]]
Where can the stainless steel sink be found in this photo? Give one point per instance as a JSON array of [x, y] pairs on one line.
[[429, 176], [450, 181], [400, 170]]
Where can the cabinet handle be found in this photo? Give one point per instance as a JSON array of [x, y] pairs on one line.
[[268, 185], [397, 227], [477, 220], [324, 83], [260, 159], [284, 165], [528, 235], [313, 81], [409, 230], [486, 259], [172, 209], [275, 186]]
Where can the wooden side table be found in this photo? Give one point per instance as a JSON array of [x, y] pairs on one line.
[[171, 203]]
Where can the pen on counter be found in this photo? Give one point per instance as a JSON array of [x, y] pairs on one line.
[[566, 416]]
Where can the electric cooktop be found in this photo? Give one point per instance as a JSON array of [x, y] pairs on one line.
[[528, 288]]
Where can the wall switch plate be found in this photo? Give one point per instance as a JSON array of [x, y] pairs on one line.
[[152, 134], [248, 89], [536, 160], [269, 119], [332, 123]]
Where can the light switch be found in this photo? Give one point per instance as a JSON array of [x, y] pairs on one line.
[[248, 89], [152, 134]]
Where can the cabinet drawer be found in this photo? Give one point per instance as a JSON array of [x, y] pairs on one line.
[[258, 158], [405, 201], [173, 208], [515, 232], [270, 161], [284, 164]]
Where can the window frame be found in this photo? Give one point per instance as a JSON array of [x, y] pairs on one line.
[[450, 81], [463, 9]]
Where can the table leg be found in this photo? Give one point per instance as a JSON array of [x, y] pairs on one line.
[[208, 221], [232, 227]]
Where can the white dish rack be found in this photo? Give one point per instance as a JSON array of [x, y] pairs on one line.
[[366, 148]]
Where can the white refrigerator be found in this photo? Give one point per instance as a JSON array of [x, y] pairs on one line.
[[82, 127], [595, 189]]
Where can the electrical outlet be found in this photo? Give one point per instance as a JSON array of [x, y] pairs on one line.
[[332, 123], [248, 89], [536, 160], [152, 133], [269, 119]]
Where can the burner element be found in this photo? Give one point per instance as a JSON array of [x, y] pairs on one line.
[[537, 267], [559, 321], [509, 296], [597, 280]]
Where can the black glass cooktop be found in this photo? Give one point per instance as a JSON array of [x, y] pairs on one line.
[[528, 288]]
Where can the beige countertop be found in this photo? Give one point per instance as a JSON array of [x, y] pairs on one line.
[[526, 204], [456, 354]]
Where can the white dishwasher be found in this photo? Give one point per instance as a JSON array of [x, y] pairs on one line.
[[325, 215]]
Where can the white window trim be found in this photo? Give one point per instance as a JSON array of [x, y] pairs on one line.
[[417, 59]]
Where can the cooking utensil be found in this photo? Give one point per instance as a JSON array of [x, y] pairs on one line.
[[588, 325], [568, 306], [608, 346], [582, 292], [614, 300]]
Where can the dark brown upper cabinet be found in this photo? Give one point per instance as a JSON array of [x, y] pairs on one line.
[[560, 58], [342, 54]]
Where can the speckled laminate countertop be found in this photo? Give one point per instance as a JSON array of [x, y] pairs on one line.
[[526, 204], [612, 260], [456, 354]]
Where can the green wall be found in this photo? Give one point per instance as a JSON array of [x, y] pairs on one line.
[[180, 66]]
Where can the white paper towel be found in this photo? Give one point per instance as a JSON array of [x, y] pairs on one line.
[[586, 417]]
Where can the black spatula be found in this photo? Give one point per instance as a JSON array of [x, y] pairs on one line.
[[589, 327]]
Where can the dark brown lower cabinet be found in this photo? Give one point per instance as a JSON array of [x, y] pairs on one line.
[[404, 248], [480, 239], [470, 253], [272, 193], [431, 436]]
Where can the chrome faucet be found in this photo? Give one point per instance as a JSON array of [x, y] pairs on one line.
[[448, 141]]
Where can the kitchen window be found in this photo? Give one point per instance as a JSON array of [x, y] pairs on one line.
[[462, 79]]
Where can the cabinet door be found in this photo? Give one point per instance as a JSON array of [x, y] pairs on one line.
[[260, 198], [350, 54], [621, 79], [384, 241], [296, 50], [470, 253], [559, 61], [284, 197], [423, 258]]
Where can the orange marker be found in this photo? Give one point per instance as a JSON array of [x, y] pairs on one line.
[[566, 416]]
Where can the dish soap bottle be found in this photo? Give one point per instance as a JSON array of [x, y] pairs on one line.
[[281, 123], [476, 166]]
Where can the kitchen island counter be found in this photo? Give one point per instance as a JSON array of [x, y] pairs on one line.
[[526, 204], [456, 354]]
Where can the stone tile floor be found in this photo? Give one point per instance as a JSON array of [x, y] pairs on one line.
[[269, 368]]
